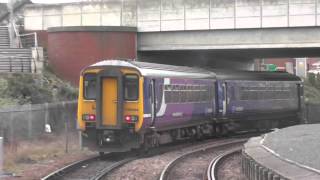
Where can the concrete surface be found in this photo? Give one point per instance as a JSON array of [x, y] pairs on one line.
[[246, 39], [300, 144], [290, 153]]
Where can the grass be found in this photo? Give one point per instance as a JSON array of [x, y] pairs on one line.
[[20, 155]]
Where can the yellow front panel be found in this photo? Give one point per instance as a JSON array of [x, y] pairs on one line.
[[109, 102], [140, 105], [80, 124], [134, 107]]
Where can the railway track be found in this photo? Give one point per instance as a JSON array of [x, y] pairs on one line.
[[212, 171], [194, 164], [94, 168]]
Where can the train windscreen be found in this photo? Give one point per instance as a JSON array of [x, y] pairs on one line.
[[131, 87], [90, 86]]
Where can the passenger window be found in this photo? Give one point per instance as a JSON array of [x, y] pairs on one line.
[[184, 94], [131, 87], [90, 86]]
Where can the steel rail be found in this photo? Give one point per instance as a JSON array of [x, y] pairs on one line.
[[60, 173], [166, 171], [69, 168], [214, 164], [112, 167]]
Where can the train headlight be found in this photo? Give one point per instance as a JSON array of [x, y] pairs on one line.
[[131, 118], [89, 117]]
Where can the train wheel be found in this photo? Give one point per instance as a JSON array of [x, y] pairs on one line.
[[145, 146]]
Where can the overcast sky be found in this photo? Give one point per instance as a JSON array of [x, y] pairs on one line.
[[47, 1]]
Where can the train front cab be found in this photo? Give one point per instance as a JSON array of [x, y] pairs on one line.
[[110, 108]]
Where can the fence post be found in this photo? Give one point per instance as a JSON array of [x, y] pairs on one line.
[[66, 127], [30, 133], [1, 156], [46, 115], [11, 129], [80, 140]]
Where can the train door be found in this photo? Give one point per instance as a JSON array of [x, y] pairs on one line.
[[109, 101], [153, 102], [225, 97]]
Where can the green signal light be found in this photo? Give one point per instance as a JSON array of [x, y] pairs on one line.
[[271, 67]]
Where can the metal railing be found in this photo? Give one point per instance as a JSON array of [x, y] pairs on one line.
[[29, 40], [15, 64], [25, 40]]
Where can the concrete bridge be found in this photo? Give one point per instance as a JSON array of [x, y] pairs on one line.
[[219, 33], [177, 15], [248, 28]]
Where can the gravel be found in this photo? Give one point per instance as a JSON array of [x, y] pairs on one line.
[[230, 168], [194, 166], [150, 168]]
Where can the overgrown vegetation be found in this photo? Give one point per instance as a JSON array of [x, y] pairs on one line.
[[20, 156], [20, 89], [312, 89]]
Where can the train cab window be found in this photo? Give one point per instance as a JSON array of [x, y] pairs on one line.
[[131, 87], [90, 86]]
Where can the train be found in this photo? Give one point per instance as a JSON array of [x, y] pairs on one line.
[[125, 105]]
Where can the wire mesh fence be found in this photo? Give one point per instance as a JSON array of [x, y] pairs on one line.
[[32, 121]]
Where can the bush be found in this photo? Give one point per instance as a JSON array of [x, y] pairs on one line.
[[312, 79], [19, 89], [312, 89], [26, 90]]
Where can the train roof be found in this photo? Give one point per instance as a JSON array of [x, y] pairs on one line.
[[164, 70], [159, 70], [224, 74]]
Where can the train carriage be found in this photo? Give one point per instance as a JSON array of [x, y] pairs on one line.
[[269, 98], [123, 105]]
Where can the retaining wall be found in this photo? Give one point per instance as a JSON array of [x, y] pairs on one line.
[[312, 113]]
